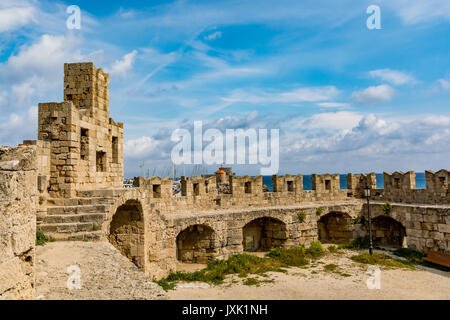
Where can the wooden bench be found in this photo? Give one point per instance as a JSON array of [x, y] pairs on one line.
[[437, 257]]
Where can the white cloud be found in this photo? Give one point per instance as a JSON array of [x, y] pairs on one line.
[[3, 97], [140, 147], [121, 67], [444, 84], [417, 11], [332, 120], [37, 70], [18, 127], [331, 140], [23, 91], [375, 94], [392, 76], [307, 94], [126, 13], [334, 105], [310, 94], [377, 142], [43, 58], [214, 35], [13, 18]]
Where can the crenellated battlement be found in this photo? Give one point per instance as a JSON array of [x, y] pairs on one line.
[[246, 186], [156, 187], [287, 183], [198, 187], [356, 183], [242, 191]]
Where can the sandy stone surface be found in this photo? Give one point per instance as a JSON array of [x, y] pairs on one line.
[[105, 273], [348, 281]]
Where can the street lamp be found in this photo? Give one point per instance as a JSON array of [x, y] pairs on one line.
[[367, 194]]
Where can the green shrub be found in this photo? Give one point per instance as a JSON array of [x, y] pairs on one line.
[[330, 267], [345, 246], [357, 243], [380, 259], [332, 249], [295, 257], [95, 227], [319, 211], [244, 264], [301, 216], [386, 208], [40, 238], [166, 285], [415, 257], [361, 242], [251, 282], [316, 249], [411, 255], [343, 274]]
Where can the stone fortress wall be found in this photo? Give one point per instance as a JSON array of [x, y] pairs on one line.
[[79, 196], [18, 203]]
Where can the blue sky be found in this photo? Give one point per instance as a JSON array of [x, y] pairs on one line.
[[345, 98]]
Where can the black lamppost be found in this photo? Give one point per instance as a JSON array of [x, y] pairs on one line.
[[367, 194]]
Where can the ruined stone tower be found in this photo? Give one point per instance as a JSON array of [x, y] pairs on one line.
[[81, 146]]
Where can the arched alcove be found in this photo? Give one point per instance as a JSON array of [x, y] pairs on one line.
[[262, 234]]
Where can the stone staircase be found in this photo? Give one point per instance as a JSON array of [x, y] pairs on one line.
[[79, 218]]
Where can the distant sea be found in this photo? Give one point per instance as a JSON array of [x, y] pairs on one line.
[[307, 184]]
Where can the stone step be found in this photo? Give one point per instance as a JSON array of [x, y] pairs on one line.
[[107, 193], [71, 227], [76, 236], [79, 201], [77, 209], [98, 218]]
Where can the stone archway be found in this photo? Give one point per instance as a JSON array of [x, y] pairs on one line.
[[262, 234], [126, 231], [388, 231], [335, 227], [195, 244]]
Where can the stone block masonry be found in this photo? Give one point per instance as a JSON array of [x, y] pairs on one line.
[[70, 181], [18, 203], [85, 145]]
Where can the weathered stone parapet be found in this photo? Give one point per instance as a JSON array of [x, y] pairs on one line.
[[245, 185], [325, 182], [398, 185], [199, 187], [357, 183], [159, 189], [288, 183], [18, 203], [401, 187]]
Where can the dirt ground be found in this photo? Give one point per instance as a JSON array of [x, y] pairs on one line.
[[106, 274], [348, 281]]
